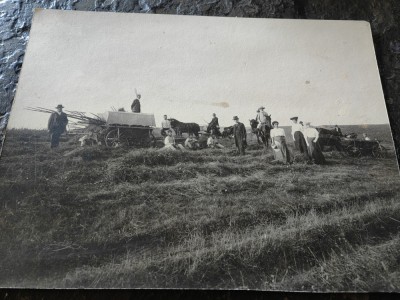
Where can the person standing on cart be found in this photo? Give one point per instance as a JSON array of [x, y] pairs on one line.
[[135, 107], [57, 125]]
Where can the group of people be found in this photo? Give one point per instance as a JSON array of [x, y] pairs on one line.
[[305, 138], [191, 142]]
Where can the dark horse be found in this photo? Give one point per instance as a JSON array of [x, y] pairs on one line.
[[263, 133], [329, 138], [227, 132], [180, 127]]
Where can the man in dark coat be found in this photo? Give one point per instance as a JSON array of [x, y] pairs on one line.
[[135, 107], [57, 125], [240, 135]]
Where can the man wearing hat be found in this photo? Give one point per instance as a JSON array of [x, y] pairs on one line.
[[240, 135], [57, 125], [263, 119], [298, 137]]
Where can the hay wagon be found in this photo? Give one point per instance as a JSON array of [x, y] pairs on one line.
[[127, 129]]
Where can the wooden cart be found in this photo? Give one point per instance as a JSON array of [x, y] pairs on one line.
[[126, 129], [358, 148]]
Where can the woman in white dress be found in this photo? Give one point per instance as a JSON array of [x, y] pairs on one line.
[[281, 151], [314, 149]]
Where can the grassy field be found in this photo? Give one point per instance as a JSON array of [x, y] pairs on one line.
[[97, 217]]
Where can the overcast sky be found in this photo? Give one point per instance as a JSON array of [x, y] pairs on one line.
[[189, 67]]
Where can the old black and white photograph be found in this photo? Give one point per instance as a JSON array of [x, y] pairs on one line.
[[161, 151]]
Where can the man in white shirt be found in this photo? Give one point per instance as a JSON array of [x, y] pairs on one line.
[[311, 136], [212, 142], [165, 125], [169, 142], [262, 118], [298, 137]]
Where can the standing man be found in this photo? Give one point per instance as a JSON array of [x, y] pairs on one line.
[[57, 125], [240, 134], [298, 137], [165, 125], [311, 136], [135, 107]]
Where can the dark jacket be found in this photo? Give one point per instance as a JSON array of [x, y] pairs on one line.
[[240, 134], [57, 122], [213, 125], [214, 122], [135, 107]]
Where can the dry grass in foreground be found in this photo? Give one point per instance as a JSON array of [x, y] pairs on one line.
[[209, 219]]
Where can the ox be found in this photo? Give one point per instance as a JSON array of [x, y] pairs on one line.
[[180, 127], [264, 133]]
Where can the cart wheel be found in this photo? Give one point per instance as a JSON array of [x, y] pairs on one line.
[[353, 151], [379, 152], [152, 141], [113, 140]]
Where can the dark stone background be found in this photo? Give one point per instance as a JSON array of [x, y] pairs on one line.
[[383, 15]]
